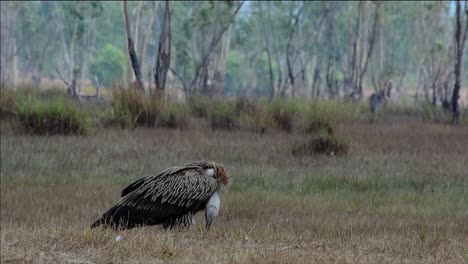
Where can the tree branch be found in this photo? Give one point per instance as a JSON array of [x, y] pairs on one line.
[[179, 77], [371, 46], [60, 75], [213, 44], [288, 48]]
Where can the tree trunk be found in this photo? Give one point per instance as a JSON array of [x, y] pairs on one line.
[[136, 37], [271, 91], [316, 80], [146, 36], [220, 70], [164, 53], [131, 49], [267, 41], [201, 69], [371, 42], [382, 45], [15, 65], [272, 37], [71, 89], [350, 84], [330, 56], [459, 45], [288, 52]]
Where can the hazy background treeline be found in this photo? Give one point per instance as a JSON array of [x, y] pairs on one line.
[[279, 48]]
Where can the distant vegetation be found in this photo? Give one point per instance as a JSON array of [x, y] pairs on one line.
[[50, 111], [328, 50]]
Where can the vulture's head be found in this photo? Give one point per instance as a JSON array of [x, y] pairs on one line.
[[218, 172]]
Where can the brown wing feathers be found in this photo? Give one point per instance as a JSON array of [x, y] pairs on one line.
[[169, 197]]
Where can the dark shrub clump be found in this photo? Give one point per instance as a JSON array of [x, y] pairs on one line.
[[324, 142], [7, 104]]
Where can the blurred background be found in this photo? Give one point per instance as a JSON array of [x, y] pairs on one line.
[[322, 50]]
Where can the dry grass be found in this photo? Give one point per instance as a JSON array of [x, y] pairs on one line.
[[399, 196]]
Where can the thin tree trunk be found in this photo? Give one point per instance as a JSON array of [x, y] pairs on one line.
[[272, 37], [131, 49], [164, 53], [459, 46], [382, 44], [15, 65], [71, 89], [267, 41], [220, 71], [352, 79], [129, 74], [315, 89], [288, 52], [371, 42], [329, 33], [147, 34], [137, 27]]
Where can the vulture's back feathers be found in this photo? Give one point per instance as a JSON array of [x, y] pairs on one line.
[[169, 197]]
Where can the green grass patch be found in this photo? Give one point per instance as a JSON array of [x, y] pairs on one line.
[[318, 116], [59, 116]]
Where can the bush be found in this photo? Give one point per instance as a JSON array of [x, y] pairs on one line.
[[131, 108], [256, 117], [283, 113], [199, 106], [7, 104], [324, 115], [128, 108], [322, 144], [60, 116], [173, 115], [222, 115]]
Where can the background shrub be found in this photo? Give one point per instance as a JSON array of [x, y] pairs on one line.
[[222, 115], [7, 104], [128, 106], [322, 144], [131, 108], [318, 116], [283, 113], [60, 116], [173, 115]]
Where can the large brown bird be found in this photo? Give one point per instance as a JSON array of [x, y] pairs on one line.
[[170, 198]]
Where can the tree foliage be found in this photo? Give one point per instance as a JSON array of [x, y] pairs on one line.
[[290, 48], [108, 65]]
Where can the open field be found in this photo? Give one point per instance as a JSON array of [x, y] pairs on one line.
[[399, 196]]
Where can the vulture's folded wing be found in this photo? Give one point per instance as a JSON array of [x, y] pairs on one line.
[[156, 200]]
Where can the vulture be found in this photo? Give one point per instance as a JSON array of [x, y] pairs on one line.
[[171, 197]]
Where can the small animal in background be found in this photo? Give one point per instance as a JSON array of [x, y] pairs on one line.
[[380, 98], [376, 100], [171, 197]]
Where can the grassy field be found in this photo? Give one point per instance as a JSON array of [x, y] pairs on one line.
[[400, 195]]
